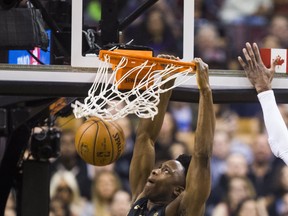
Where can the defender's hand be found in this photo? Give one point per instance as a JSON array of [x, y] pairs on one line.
[[259, 76]]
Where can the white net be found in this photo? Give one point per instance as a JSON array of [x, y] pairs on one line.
[[106, 101]]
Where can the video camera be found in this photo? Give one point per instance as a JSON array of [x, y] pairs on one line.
[[45, 144]]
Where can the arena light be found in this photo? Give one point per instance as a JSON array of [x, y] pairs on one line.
[[7, 4]]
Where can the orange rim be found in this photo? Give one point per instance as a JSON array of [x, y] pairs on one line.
[[141, 57]]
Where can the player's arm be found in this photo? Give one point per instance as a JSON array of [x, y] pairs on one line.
[[143, 159], [261, 78], [198, 181]]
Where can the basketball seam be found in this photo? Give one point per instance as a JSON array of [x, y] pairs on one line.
[[95, 139], [111, 141], [95, 144], [78, 146]]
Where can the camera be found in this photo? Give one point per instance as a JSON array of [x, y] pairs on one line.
[[45, 144], [8, 4]]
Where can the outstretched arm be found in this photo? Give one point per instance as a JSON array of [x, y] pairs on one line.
[[261, 78], [143, 160], [198, 177]]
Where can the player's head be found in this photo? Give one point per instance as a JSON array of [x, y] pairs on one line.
[[184, 159], [167, 181]]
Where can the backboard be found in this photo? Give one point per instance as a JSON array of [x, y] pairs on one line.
[[91, 60]]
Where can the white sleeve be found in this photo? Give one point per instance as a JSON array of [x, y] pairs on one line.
[[275, 125]]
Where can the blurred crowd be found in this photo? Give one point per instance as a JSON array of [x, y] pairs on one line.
[[246, 178]]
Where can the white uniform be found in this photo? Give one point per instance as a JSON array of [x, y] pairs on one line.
[[275, 125]]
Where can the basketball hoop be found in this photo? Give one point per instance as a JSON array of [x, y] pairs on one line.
[[133, 86]]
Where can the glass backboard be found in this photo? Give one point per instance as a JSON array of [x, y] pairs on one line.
[[91, 60]]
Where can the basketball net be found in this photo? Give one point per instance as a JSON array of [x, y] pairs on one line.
[[128, 89]]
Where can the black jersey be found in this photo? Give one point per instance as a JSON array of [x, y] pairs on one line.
[[139, 208]]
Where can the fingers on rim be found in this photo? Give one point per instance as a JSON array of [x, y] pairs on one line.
[[197, 61], [167, 56]]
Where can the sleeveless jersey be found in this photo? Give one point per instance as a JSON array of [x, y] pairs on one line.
[[139, 208]]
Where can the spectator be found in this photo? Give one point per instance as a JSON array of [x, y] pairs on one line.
[[245, 11], [210, 46], [121, 203], [236, 166], [228, 120], [64, 189], [271, 41], [95, 170], [251, 207], [105, 185], [155, 33], [261, 173], [57, 207], [243, 21], [239, 188], [279, 28], [279, 206], [221, 151]]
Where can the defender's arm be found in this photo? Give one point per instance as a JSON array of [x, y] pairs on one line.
[[261, 78]]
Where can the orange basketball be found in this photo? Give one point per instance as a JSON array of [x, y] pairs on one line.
[[99, 142]]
